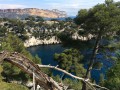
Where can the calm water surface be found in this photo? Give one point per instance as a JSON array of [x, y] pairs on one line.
[[46, 53]]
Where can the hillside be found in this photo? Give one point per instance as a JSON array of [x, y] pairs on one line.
[[23, 13]]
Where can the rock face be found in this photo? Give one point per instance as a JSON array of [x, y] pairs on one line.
[[23, 13], [35, 41]]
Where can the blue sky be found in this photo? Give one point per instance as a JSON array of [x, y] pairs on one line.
[[70, 6]]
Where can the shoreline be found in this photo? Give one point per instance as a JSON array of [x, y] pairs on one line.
[[44, 45]]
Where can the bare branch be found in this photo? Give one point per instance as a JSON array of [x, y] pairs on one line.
[[56, 68], [76, 77]]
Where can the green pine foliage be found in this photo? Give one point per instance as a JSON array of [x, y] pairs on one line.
[[113, 75], [9, 86], [71, 61], [10, 72]]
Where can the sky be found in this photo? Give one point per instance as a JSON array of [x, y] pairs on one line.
[[70, 6]]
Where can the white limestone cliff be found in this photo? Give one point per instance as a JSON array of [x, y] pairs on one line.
[[36, 41]]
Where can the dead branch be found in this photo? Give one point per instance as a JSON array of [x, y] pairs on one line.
[[43, 80], [73, 76]]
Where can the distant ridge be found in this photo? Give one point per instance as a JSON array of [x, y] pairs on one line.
[[23, 13]]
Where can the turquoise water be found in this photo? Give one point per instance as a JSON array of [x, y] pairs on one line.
[[46, 53]]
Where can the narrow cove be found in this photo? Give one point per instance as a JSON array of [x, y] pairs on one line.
[[46, 53]]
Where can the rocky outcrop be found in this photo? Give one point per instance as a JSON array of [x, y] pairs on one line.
[[76, 36], [35, 41], [22, 13]]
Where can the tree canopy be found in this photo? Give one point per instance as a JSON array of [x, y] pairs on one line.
[[70, 60], [103, 22], [102, 18]]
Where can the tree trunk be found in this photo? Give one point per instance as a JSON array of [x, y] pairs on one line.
[[95, 50]]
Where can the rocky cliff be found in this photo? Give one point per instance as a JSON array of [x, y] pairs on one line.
[[35, 41], [23, 13]]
